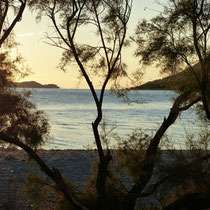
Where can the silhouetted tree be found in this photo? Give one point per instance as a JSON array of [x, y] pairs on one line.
[[178, 35], [103, 58], [187, 173], [19, 118], [176, 39], [21, 123], [108, 20], [6, 27]]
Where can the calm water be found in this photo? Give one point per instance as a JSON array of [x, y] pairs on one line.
[[70, 113]]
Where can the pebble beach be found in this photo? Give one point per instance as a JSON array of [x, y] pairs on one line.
[[15, 166]]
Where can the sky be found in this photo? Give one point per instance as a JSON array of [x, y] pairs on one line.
[[43, 59]]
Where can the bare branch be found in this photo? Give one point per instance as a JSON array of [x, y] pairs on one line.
[[77, 20], [17, 18], [149, 161], [102, 36], [3, 16], [190, 104], [54, 174], [52, 17]]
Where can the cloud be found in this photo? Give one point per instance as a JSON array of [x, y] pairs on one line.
[[28, 34]]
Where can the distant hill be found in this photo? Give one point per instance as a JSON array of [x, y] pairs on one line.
[[181, 81], [33, 84], [167, 83]]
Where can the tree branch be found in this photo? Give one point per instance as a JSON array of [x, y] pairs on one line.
[[54, 174], [17, 18], [190, 104], [3, 16], [149, 161]]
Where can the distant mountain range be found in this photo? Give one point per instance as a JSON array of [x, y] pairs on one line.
[[33, 84]]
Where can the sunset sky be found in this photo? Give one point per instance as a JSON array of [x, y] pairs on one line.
[[43, 59]]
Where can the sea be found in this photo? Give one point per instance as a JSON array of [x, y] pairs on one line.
[[71, 112]]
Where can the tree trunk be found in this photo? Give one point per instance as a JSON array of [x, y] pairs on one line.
[[148, 165], [17, 18], [54, 174], [101, 183], [102, 174], [206, 105], [149, 161]]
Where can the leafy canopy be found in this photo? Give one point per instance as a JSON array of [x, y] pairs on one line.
[[19, 117], [177, 37]]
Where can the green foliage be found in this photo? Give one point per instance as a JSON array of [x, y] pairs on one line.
[[177, 40], [189, 170], [131, 153], [19, 117], [168, 38], [165, 40], [45, 194], [115, 190], [8, 68], [34, 188]]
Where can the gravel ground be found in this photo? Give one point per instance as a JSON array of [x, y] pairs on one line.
[[15, 167]]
